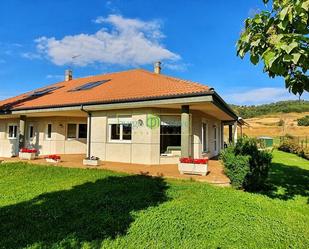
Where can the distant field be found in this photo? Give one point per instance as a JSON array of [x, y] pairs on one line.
[[269, 125]]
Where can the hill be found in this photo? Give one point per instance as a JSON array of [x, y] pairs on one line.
[[276, 125], [290, 106]]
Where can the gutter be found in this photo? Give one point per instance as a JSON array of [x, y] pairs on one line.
[[209, 96], [220, 103], [89, 130]]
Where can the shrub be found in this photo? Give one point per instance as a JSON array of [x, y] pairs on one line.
[[247, 164], [281, 122], [292, 147], [304, 121], [235, 167]]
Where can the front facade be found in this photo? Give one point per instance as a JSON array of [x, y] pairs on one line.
[[132, 117]]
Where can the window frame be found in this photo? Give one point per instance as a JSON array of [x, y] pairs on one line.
[[215, 137], [47, 137], [205, 136], [15, 132], [77, 137], [78, 130], [169, 121], [29, 132], [121, 121]]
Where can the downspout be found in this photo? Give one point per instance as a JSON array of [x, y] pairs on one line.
[[89, 130]]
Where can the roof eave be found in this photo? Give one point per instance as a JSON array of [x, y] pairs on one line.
[[179, 98]]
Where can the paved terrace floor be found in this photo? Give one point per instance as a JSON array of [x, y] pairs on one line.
[[214, 176]]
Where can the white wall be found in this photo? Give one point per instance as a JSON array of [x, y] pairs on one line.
[[8, 147], [145, 145], [143, 149], [58, 144]]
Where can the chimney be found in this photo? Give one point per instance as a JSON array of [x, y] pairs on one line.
[[157, 67], [68, 75]]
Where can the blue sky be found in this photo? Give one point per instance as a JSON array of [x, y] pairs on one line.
[[195, 40]]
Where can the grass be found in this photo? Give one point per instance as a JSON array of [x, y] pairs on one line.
[[50, 207]]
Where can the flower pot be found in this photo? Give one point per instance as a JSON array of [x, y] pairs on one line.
[[90, 162], [191, 168], [26, 156]]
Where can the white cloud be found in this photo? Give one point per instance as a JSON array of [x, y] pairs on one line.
[[31, 56], [260, 96], [122, 41]]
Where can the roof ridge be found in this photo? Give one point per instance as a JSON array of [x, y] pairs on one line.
[[174, 78]]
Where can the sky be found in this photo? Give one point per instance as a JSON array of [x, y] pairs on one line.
[[195, 40]]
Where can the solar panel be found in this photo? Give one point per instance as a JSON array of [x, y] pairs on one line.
[[89, 85], [44, 91]]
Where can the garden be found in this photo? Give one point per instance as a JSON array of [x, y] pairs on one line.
[[53, 207]]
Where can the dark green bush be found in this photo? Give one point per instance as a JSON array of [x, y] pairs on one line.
[[304, 121], [235, 167], [252, 164]]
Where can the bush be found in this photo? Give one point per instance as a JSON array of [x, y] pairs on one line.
[[304, 121], [235, 167], [281, 122], [292, 147], [247, 165]]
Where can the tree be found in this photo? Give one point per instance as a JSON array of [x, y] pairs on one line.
[[280, 39]]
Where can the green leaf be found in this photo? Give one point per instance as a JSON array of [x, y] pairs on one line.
[[287, 58], [296, 57], [283, 13], [254, 59], [289, 47], [268, 57], [244, 37], [256, 42], [305, 5], [290, 15], [282, 25]]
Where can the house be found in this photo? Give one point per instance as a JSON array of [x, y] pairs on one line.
[[133, 116]]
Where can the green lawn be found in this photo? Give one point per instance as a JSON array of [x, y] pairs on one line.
[[50, 207]]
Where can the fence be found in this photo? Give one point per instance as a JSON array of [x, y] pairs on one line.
[[301, 141]]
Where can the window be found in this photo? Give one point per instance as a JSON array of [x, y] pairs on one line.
[[215, 137], [77, 131], [72, 131], [120, 129], [12, 131], [89, 85], [170, 135], [204, 137], [49, 131], [31, 131], [44, 91], [115, 131], [82, 131], [126, 131]]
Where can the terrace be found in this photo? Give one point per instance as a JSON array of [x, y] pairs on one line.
[[214, 176]]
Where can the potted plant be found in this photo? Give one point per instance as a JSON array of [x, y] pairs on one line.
[[53, 159], [91, 161], [27, 154], [193, 166]]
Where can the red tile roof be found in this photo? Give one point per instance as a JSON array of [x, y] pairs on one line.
[[122, 86]]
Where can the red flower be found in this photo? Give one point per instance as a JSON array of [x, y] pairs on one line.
[[25, 150], [195, 161], [186, 160], [53, 157]]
